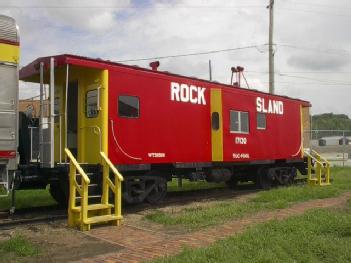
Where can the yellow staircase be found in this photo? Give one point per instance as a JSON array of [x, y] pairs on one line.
[[318, 169], [84, 215]]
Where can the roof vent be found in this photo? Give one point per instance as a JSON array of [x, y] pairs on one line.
[[154, 65]]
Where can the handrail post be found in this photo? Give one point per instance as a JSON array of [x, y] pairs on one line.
[[309, 160], [116, 186], [328, 173], [84, 207], [105, 187], [118, 201], [72, 193], [320, 169]]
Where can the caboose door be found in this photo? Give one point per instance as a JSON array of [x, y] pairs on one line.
[[72, 116]]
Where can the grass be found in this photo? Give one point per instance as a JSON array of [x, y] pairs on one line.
[[38, 198], [319, 235], [172, 186], [28, 199], [219, 212], [15, 247]]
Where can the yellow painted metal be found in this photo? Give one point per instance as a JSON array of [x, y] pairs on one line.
[[85, 214], [73, 189], [320, 166], [104, 110], [92, 133], [116, 187], [302, 130], [9, 53], [217, 135]]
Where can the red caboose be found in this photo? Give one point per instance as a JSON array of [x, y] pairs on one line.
[[155, 125]]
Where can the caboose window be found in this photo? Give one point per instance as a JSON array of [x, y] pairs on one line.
[[128, 106], [215, 121], [92, 103], [261, 121], [239, 121]]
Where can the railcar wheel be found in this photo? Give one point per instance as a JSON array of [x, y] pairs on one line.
[[264, 178], [159, 191]]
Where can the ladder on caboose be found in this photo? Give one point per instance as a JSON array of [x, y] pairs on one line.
[[318, 168], [85, 214]]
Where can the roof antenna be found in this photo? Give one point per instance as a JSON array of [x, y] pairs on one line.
[[239, 73]]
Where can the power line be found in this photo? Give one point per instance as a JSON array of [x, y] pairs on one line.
[[318, 80], [305, 83], [301, 72], [320, 5], [130, 7], [333, 50], [194, 53], [313, 12]]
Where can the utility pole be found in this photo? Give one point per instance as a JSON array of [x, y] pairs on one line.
[[210, 69], [270, 45]]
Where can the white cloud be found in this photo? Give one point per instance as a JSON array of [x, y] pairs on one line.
[[119, 30]]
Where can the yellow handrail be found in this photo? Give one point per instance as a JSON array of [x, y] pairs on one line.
[[116, 187], [74, 187], [320, 157], [112, 167], [322, 164], [76, 164]]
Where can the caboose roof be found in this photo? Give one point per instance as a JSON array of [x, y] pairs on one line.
[[32, 69]]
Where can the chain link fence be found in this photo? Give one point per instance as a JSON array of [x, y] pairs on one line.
[[334, 145]]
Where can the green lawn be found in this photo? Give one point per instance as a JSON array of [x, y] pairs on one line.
[[37, 198], [319, 235], [27, 199], [172, 186], [17, 248], [219, 212]]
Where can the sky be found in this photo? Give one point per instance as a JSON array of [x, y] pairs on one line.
[[312, 40]]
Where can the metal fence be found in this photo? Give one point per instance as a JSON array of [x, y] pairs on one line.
[[334, 145]]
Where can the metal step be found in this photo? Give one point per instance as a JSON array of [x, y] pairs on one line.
[[86, 174], [93, 207], [89, 185], [101, 219], [89, 197]]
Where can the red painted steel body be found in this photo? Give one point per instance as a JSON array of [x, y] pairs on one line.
[[182, 131]]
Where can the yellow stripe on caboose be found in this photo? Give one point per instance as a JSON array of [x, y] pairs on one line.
[[217, 134], [9, 53]]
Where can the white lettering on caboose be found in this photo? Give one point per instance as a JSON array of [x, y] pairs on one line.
[[186, 93], [269, 106]]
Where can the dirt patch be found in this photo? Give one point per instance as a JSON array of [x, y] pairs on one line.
[[57, 243]]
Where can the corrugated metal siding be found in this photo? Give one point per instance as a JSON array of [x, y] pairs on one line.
[[8, 30]]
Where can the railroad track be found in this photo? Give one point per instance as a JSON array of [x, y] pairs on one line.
[[54, 213]]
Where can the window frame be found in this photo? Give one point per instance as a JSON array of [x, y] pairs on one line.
[[239, 122], [97, 103], [128, 117], [265, 121]]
